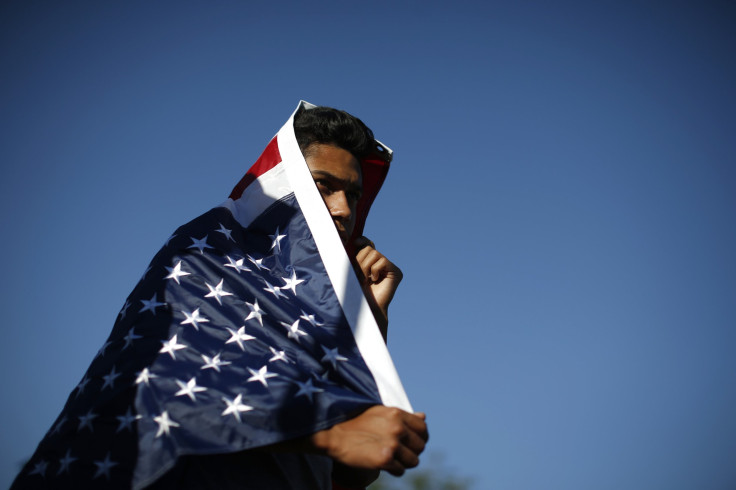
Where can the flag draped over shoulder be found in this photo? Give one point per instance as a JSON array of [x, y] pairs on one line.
[[248, 328]]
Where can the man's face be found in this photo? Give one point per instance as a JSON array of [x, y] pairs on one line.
[[338, 177]]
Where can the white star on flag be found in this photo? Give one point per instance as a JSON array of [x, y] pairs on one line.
[[164, 424], [213, 362], [235, 406], [145, 273], [273, 290], [311, 319], [261, 375], [236, 264], [332, 356], [40, 468], [101, 351], [124, 311], [294, 331], [278, 355], [255, 312], [258, 263], [58, 425], [292, 282], [225, 232], [189, 389], [151, 305], [307, 389], [144, 376], [109, 378], [193, 318], [217, 292], [82, 385], [200, 244], [104, 467], [171, 346], [130, 337], [65, 462], [126, 420], [276, 244], [86, 421], [240, 336], [175, 272]]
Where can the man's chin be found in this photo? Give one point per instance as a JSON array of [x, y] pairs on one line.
[[344, 235]]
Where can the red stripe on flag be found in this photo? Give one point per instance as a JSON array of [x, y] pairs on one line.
[[268, 160], [374, 170]]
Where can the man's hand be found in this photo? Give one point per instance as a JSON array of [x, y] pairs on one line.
[[381, 438], [381, 277]]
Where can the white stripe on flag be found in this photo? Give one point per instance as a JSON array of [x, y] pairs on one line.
[[340, 271], [259, 195]]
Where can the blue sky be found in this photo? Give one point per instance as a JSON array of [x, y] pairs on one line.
[[562, 203]]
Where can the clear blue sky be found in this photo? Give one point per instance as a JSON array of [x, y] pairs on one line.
[[562, 202]]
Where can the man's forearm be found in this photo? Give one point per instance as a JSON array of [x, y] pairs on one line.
[[380, 438], [351, 477]]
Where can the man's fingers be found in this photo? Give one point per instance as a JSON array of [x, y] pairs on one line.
[[385, 438], [406, 457], [369, 259], [375, 266], [378, 269], [395, 468], [365, 253], [403, 458], [415, 422], [414, 441]]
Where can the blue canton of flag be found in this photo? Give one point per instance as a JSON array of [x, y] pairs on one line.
[[241, 334]]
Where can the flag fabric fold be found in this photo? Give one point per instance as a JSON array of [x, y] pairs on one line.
[[248, 328]]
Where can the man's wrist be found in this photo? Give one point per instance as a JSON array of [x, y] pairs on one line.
[[321, 442], [349, 478]]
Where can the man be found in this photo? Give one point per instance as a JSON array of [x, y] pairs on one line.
[[221, 378]]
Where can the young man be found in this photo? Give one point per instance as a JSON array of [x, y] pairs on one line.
[[216, 377]]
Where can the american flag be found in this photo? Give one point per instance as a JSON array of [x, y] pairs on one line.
[[248, 328]]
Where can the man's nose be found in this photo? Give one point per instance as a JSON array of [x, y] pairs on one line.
[[339, 206]]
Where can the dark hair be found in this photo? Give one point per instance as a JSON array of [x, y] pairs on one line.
[[333, 127]]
